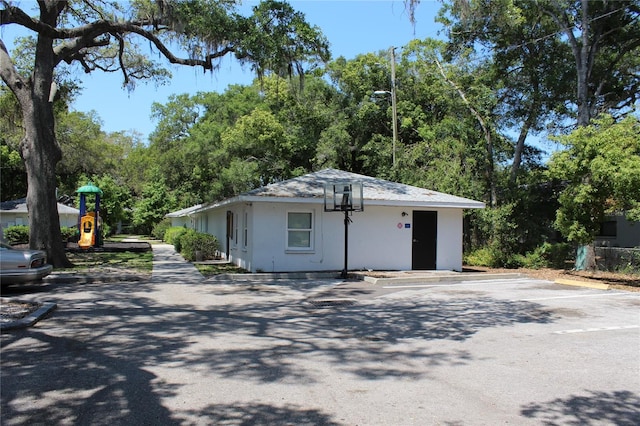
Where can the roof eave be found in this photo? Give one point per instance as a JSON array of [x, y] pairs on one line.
[[465, 204]]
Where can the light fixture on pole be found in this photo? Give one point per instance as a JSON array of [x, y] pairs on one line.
[[394, 109]]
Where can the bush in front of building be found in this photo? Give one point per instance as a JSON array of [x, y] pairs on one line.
[[192, 242], [172, 236], [69, 233], [160, 229], [17, 234]]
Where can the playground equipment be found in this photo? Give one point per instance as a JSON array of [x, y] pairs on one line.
[[89, 222]]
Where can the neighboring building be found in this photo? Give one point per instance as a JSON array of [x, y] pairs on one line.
[[617, 231], [283, 227], [15, 213], [183, 217]]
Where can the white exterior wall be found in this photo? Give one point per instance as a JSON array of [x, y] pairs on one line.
[[380, 238], [8, 219], [181, 221], [449, 247]]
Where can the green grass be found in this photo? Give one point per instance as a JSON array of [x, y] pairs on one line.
[[126, 260], [217, 269], [120, 237]]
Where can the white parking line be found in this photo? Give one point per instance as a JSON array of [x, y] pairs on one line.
[[590, 330]]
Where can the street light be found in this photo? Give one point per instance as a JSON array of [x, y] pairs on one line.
[[394, 109]]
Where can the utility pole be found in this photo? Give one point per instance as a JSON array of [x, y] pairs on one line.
[[394, 108]]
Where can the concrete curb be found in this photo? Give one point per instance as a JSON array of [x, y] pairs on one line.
[[440, 278], [88, 279], [30, 319], [435, 277], [275, 276], [582, 284]]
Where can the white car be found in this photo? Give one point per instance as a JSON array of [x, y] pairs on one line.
[[22, 266]]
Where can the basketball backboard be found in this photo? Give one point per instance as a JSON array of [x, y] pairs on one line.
[[343, 196]]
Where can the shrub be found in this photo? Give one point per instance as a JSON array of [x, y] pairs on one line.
[[160, 229], [192, 241], [549, 255], [479, 257], [17, 234], [492, 257], [69, 234], [105, 230], [171, 235]]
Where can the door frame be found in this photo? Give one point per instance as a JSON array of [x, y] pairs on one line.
[[424, 254]]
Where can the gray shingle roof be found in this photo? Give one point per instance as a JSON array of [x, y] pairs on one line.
[[310, 189], [183, 212], [375, 191], [20, 206]]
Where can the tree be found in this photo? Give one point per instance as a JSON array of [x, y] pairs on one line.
[[604, 37], [115, 203], [601, 168], [13, 176], [551, 59], [260, 139], [85, 149], [155, 202], [99, 35]]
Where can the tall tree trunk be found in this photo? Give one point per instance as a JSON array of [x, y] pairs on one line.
[[522, 137], [584, 52], [39, 147], [486, 131], [584, 62], [41, 153]]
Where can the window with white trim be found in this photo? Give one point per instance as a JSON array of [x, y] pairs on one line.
[[299, 231]]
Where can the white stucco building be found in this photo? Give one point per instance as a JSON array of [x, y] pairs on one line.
[[15, 212], [283, 227]]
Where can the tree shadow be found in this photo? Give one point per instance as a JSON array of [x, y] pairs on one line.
[[243, 414], [93, 360], [594, 408]]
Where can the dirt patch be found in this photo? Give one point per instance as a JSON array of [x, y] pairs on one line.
[[627, 282], [13, 310]]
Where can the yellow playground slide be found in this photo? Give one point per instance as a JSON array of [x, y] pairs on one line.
[[87, 234]]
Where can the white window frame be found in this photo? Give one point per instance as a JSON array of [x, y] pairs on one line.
[[311, 231]]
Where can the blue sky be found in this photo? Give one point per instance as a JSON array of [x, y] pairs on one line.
[[351, 26]]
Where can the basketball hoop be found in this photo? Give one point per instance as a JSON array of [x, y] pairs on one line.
[[344, 197]]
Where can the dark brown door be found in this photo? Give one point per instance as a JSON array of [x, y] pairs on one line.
[[425, 237], [229, 230]]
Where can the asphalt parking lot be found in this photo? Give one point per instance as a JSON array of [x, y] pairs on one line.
[[322, 352]]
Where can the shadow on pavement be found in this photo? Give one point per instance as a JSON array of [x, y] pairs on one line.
[[98, 358], [620, 408]]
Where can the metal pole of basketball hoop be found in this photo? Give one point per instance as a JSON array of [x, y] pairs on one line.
[[345, 197], [347, 221]]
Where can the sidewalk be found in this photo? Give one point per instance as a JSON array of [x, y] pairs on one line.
[[170, 267]]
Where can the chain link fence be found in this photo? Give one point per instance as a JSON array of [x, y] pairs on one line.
[[616, 259]]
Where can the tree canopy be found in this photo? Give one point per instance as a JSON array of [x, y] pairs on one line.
[[108, 37], [468, 108], [601, 168]]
